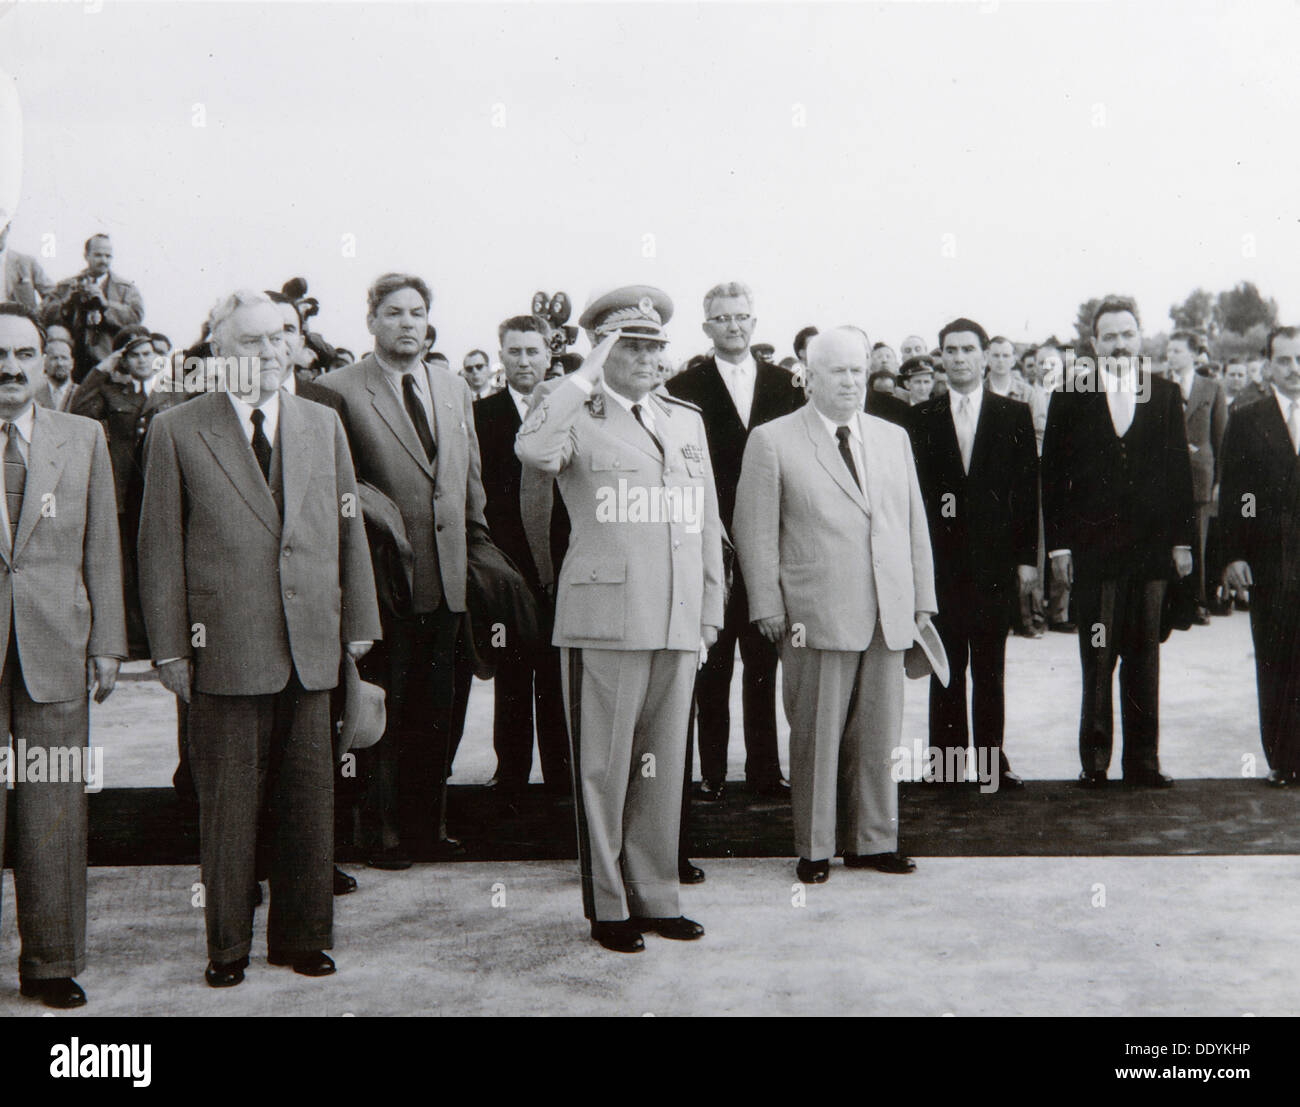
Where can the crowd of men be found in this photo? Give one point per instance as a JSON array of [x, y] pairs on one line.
[[851, 517]]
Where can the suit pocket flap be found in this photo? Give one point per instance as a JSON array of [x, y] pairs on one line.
[[600, 573], [606, 461]]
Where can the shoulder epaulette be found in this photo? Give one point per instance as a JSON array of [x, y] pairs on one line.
[[669, 398]]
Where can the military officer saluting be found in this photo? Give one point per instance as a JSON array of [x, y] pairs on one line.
[[639, 594]]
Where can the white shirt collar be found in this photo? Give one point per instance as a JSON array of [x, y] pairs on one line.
[[1283, 402], [25, 421], [521, 401], [1124, 382], [976, 399], [647, 412], [854, 425], [396, 375], [271, 409], [746, 367]]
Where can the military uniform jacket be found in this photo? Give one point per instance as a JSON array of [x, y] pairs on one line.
[[644, 566]]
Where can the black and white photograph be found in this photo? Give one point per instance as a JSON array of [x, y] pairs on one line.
[[651, 509]]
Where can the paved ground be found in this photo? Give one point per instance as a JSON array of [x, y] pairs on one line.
[[1086, 936], [1174, 937], [1209, 728]]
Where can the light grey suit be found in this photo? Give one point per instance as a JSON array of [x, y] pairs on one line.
[[61, 595], [849, 569]]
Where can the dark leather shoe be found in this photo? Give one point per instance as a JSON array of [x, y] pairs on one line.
[[712, 790], [1064, 628], [390, 860], [1151, 779], [1093, 778], [315, 963], [773, 789], [688, 873], [1201, 618], [1280, 778], [894, 863], [621, 937], [343, 883], [680, 929], [225, 974], [61, 993], [1008, 779], [813, 872]]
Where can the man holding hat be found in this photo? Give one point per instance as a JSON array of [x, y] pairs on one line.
[[639, 596], [832, 537]]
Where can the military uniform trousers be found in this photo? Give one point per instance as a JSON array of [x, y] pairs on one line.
[[624, 705], [846, 715], [265, 762], [49, 850]]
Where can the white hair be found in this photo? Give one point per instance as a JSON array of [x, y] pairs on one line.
[[225, 308], [823, 346]]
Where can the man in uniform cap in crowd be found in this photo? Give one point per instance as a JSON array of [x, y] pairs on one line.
[[639, 596]]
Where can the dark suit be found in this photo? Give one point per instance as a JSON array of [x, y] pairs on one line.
[[1259, 516], [441, 503], [1205, 415], [523, 676], [1120, 505], [774, 395], [117, 406], [889, 407], [275, 573], [983, 524]]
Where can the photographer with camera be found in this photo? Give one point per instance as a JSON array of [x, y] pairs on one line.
[[94, 305]]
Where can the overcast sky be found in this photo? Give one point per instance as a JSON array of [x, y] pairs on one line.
[[890, 165]]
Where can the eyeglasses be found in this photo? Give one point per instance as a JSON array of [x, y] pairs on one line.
[[723, 320]]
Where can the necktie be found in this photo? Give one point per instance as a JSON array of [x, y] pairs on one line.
[[965, 432], [15, 480], [636, 411], [842, 434], [261, 444], [1292, 425], [415, 412]]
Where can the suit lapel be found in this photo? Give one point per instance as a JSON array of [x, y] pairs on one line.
[[297, 450], [984, 434], [946, 446], [447, 410], [44, 465], [1275, 438], [828, 455], [388, 408], [225, 438]]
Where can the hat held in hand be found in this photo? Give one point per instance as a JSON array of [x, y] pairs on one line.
[[926, 655], [364, 717]]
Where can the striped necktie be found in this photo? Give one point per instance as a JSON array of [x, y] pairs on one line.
[[15, 480]]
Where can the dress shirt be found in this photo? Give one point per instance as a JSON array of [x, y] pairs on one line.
[[855, 443], [1290, 416], [739, 379], [1184, 382], [420, 375], [24, 423], [270, 409], [974, 400], [521, 402], [1121, 397]]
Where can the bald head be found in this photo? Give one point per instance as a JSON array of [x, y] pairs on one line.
[[837, 372]]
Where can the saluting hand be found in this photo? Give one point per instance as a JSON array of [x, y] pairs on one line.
[[594, 363]]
